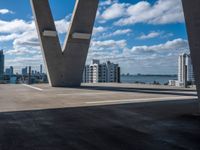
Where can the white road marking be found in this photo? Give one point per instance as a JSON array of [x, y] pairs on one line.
[[142, 100], [32, 87], [102, 93]]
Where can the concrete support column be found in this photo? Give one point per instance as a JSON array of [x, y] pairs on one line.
[[192, 17], [65, 65]]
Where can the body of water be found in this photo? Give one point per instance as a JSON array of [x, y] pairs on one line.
[[150, 79]]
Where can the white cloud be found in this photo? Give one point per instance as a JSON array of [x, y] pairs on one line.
[[160, 58], [150, 35], [24, 36], [175, 45], [20, 52], [106, 49], [20, 26], [108, 44], [115, 11], [27, 42], [4, 38], [99, 29], [20, 61], [106, 2], [16, 26], [5, 11], [161, 12], [62, 25], [120, 32]]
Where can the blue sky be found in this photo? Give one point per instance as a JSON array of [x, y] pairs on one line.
[[142, 36]]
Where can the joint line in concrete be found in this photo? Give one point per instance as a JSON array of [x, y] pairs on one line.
[[32, 87]]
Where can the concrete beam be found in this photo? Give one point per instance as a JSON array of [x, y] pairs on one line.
[[192, 17], [65, 65]]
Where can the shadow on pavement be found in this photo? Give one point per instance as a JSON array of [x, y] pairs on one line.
[[166, 91], [164, 125]]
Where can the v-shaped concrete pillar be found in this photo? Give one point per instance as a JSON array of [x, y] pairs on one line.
[[65, 66], [192, 17]]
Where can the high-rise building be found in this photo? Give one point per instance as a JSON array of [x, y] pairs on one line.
[[105, 72], [9, 71], [185, 70], [190, 73], [25, 71], [1, 64], [41, 69], [29, 75]]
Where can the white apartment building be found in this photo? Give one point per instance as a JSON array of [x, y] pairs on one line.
[[185, 69], [105, 72]]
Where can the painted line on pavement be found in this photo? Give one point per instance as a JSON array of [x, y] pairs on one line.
[[141, 100], [32, 87], [86, 94]]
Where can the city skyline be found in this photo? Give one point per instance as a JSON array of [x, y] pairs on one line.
[[124, 33]]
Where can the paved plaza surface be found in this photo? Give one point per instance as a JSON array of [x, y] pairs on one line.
[[98, 116], [41, 96]]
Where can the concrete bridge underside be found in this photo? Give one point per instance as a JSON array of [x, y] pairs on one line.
[[65, 65]]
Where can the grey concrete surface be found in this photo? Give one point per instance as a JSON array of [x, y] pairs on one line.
[[192, 18], [166, 125], [98, 116], [65, 65], [42, 96]]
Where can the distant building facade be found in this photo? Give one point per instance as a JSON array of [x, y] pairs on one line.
[[185, 70], [24, 71], [1, 64], [105, 72], [9, 71], [41, 69]]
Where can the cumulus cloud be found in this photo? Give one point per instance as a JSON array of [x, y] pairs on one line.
[[119, 51], [175, 45], [5, 11], [118, 32], [155, 51], [27, 42], [99, 29], [62, 25], [108, 44], [16, 26], [106, 49], [20, 26], [24, 36], [20, 52], [165, 54], [161, 12], [150, 35], [115, 11], [107, 2], [21, 61], [4, 38], [121, 32]]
